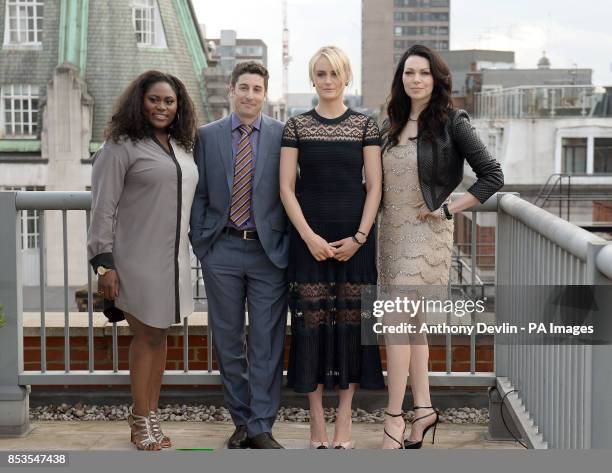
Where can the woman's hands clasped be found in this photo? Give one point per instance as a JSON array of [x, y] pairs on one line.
[[319, 248], [341, 250], [345, 249], [108, 285]]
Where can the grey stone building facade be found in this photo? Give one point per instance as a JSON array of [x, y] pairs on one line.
[[388, 28], [62, 66]]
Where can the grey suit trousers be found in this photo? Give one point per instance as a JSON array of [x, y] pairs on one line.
[[235, 271]]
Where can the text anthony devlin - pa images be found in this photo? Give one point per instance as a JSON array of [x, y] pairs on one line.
[[479, 328]]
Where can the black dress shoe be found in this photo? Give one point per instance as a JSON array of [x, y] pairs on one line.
[[239, 438], [264, 441]]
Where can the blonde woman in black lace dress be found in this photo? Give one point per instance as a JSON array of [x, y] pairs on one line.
[[325, 155]]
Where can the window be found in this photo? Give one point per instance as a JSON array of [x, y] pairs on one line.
[[255, 51], [421, 3], [147, 24], [602, 158], [23, 23], [30, 233], [574, 155], [400, 16], [420, 31], [438, 16], [249, 51], [19, 111]]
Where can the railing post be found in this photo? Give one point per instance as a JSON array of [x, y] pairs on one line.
[[502, 261], [496, 429], [598, 413], [14, 399]]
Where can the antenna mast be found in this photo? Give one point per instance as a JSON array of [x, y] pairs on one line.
[[286, 57]]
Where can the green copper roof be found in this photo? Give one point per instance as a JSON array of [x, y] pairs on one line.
[[74, 16], [188, 21]]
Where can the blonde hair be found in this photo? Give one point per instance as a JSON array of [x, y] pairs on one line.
[[338, 59]]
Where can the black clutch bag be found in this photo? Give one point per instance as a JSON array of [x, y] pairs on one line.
[[112, 313]]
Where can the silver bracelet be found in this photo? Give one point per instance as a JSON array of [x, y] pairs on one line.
[[442, 214]]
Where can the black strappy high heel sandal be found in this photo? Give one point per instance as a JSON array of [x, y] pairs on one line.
[[411, 444], [401, 444]]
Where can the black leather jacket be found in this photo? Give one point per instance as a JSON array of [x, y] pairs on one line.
[[440, 164]]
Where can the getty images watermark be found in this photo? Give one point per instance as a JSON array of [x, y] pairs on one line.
[[537, 314], [388, 310], [458, 308]]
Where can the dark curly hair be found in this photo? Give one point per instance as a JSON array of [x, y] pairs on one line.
[[128, 119], [249, 67], [433, 118]]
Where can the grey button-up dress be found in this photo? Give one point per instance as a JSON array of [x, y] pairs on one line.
[[141, 202]]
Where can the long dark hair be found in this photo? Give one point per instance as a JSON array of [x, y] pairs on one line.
[[128, 119], [433, 118]]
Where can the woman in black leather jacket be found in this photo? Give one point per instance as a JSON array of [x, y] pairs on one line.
[[425, 144]]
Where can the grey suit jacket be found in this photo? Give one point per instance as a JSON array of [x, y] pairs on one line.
[[211, 205]]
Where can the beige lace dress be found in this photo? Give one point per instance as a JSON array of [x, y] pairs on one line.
[[411, 252]]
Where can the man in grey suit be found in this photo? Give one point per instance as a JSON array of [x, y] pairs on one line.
[[239, 233]]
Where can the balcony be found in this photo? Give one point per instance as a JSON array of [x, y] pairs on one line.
[[542, 102], [557, 396]]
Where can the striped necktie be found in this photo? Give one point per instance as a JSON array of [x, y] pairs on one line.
[[240, 208]]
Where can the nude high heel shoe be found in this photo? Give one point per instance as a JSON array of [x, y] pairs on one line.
[[141, 435], [163, 440]]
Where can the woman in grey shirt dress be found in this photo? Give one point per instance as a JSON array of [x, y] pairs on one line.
[[143, 183]]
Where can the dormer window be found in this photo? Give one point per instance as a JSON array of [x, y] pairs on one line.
[[23, 24], [147, 24]]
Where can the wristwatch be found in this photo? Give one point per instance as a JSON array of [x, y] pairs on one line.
[[447, 214], [101, 270]]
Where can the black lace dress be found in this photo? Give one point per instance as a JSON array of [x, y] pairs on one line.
[[325, 297]]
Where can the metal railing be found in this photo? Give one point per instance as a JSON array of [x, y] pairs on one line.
[[562, 389], [81, 201], [532, 247], [558, 189], [13, 377], [538, 102]]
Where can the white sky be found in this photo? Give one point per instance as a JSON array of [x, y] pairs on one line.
[[572, 33]]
